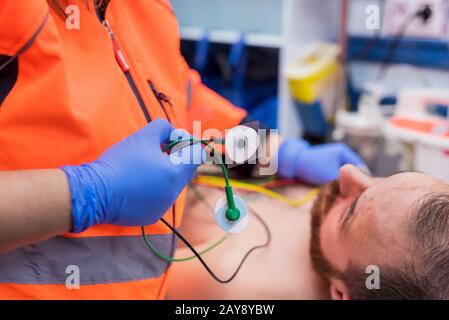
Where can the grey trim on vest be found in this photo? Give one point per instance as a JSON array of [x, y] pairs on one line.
[[189, 92], [99, 259]]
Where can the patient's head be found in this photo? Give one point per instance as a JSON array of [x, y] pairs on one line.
[[399, 224]]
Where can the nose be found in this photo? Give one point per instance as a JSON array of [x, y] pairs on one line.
[[353, 181]]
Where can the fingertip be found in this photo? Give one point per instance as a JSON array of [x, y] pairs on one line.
[[162, 129], [178, 134]]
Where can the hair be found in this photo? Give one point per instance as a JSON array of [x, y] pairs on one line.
[[60, 5], [422, 275]]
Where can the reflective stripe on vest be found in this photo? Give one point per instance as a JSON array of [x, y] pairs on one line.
[[100, 260], [69, 104]]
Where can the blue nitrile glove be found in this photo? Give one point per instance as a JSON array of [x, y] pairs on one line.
[[133, 183], [316, 165], [182, 154]]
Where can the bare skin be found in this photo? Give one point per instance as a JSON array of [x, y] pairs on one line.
[[281, 271], [34, 206]]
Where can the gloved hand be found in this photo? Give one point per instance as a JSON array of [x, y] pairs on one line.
[[133, 183], [316, 165]]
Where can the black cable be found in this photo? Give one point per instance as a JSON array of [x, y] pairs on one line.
[[425, 14], [173, 244], [392, 48], [206, 266], [190, 246], [369, 46]]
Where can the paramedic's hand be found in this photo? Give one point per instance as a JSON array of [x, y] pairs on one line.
[[133, 183], [316, 165]]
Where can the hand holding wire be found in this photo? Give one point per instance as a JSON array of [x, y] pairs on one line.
[[133, 183]]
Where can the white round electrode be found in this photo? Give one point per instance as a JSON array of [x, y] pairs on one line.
[[241, 143], [231, 226]]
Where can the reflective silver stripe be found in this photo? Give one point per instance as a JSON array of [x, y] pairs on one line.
[[100, 260]]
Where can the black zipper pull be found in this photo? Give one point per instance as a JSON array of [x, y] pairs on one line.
[[159, 95], [164, 98]]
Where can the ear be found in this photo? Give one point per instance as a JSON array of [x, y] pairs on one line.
[[338, 290]]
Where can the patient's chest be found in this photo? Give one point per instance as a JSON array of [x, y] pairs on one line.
[[281, 271]]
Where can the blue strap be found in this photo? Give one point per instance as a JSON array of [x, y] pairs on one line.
[[202, 53], [238, 61], [236, 53]]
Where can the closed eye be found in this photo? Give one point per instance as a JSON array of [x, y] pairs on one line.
[[348, 215]]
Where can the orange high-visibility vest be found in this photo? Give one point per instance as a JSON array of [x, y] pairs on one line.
[[66, 95]]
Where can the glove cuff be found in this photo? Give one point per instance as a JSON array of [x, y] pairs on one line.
[[86, 205], [288, 156]]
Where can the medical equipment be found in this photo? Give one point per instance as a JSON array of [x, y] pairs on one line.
[[314, 71], [421, 126], [241, 144], [225, 218], [222, 218], [230, 209], [231, 215], [216, 182], [432, 22], [363, 129], [314, 78]]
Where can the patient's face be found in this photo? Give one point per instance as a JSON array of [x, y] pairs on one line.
[[362, 220]]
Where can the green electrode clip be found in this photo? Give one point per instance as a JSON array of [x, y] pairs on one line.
[[232, 213]]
